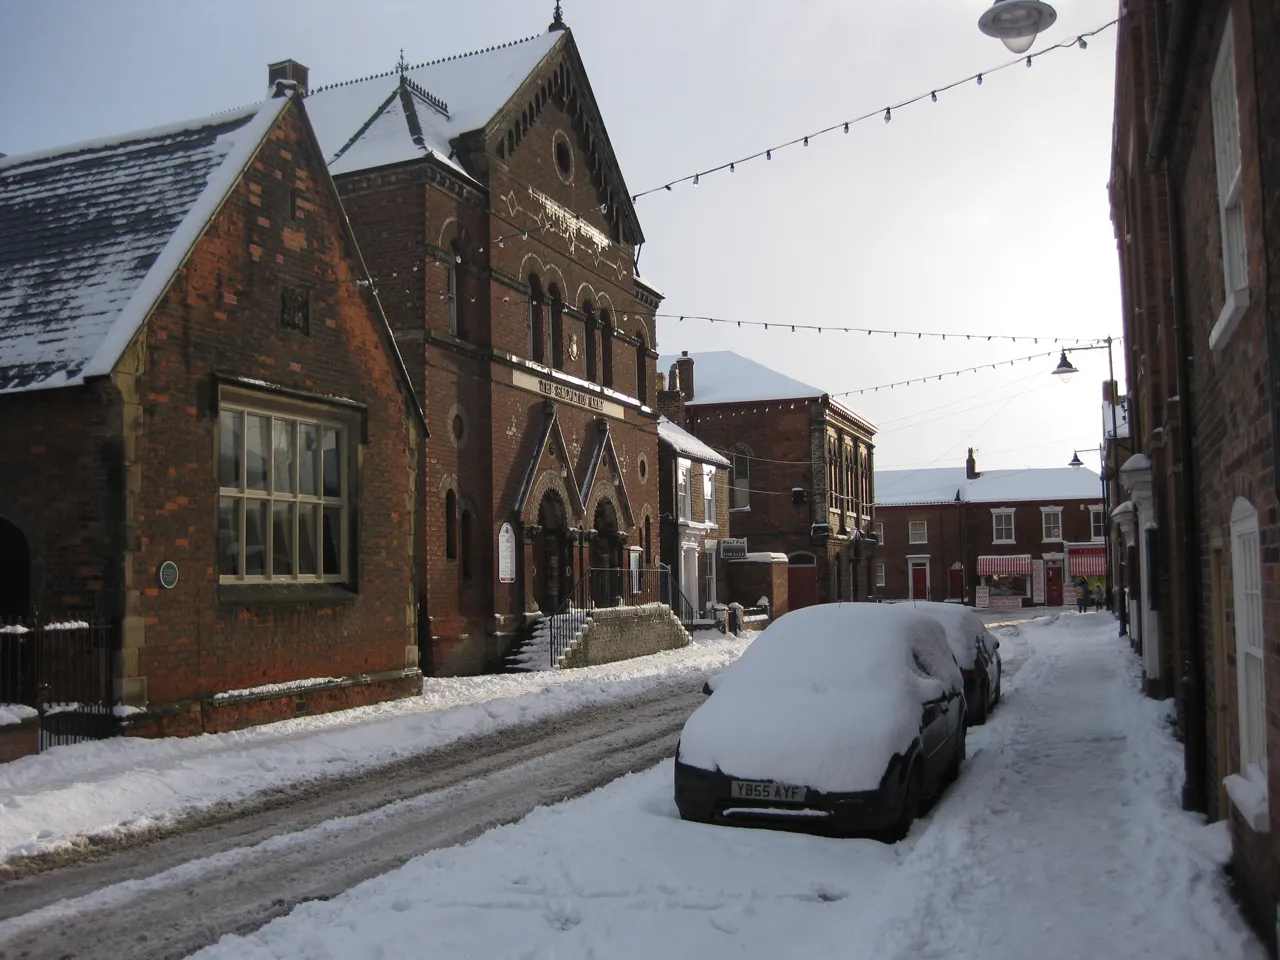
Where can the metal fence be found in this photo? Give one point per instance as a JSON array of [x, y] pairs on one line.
[[63, 669], [601, 588]]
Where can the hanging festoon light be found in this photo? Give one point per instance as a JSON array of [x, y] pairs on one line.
[[1015, 23]]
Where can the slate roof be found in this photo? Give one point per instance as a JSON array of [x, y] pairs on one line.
[[91, 234], [685, 444], [941, 484], [367, 123]]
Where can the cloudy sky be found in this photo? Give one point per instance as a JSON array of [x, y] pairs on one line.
[[983, 213]]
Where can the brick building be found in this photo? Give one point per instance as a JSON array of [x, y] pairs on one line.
[[1195, 198], [693, 502], [209, 437], [802, 462], [996, 539], [492, 211]]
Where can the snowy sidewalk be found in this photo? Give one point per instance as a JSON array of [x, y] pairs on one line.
[[109, 788], [1063, 839]]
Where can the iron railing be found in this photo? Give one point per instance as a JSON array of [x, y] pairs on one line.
[[64, 669]]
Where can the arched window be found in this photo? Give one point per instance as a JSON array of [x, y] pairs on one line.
[[451, 525], [606, 348], [453, 292], [648, 543], [741, 479], [593, 361], [465, 546], [535, 332], [642, 366], [557, 327]]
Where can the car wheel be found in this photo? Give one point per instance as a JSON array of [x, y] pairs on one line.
[[980, 708], [912, 798]]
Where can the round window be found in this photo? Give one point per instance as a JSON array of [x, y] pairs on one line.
[[459, 428], [563, 155], [644, 469]]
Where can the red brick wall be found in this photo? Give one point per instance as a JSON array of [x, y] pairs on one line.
[[221, 316]]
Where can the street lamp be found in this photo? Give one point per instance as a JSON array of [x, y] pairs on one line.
[[1065, 369], [1076, 463], [1016, 22]]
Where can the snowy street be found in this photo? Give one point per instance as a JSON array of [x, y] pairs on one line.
[[1062, 839]]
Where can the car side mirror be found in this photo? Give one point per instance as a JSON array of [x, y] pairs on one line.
[[706, 688]]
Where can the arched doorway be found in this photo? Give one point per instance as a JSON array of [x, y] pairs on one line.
[[553, 554], [606, 556], [15, 572]]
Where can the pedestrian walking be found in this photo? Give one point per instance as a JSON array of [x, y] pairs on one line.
[[1099, 596], [1080, 596]]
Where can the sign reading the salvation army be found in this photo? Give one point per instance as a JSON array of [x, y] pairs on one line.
[[506, 554]]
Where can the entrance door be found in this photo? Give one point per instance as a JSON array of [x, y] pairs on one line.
[[802, 581], [919, 580], [1053, 583], [15, 572], [955, 584]]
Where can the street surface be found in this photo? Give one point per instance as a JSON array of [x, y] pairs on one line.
[[171, 896]]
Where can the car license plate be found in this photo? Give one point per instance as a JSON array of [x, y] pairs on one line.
[[765, 790]]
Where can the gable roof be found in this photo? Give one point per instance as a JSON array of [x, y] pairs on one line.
[[941, 484], [604, 444], [91, 234], [722, 376], [685, 444]]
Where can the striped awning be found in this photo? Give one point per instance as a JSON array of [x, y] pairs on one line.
[[1086, 561], [995, 566]]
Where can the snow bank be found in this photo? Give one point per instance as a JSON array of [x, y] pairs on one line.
[[11, 713], [824, 698], [114, 787]]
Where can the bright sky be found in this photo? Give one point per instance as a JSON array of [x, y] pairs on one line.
[[983, 213]]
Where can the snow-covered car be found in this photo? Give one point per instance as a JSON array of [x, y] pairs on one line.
[[838, 718], [977, 653]]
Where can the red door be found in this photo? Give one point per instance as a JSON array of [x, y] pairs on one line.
[[1053, 584], [802, 586], [955, 585], [919, 582]]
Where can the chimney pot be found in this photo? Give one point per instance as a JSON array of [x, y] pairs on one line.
[[971, 467], [290, 70]]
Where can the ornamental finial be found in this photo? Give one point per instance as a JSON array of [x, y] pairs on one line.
[[402, 64], [557, 21]]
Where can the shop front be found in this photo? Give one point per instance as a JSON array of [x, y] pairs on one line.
[[1005, 582]]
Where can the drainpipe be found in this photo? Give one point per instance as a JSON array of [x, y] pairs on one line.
[[1173, 60]]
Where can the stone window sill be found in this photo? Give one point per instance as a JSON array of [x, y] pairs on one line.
[[1232, 312], [1249, 794], [273, 594]]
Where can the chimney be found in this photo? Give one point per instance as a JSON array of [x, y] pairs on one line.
[[971, 467], [684, 365], [288, 70]]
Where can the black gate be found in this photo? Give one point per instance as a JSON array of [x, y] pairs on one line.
[[62, 668]]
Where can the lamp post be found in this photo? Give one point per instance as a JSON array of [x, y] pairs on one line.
[[1065, 369]]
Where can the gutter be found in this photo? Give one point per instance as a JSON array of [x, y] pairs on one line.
[[1173, 64]]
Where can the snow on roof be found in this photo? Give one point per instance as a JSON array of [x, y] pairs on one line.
[[648, 284], [941, 484], [471, 88], [1121, 420], [722, 376], [92, 233], [685, 444]]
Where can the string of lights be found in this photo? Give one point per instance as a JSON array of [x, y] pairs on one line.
[[949, 373], [886, 112], [869, 331]]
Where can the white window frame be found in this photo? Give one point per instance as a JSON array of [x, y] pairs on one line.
[[243, 495], [879, 532], [684, 492], [709, 494], [1225, 109], [451, 293], [1045, 514], [997, 514], [923, 531], [1097, 518], [709, 554], [1246, 581], [741, 499], [635, 560], [879, 574]]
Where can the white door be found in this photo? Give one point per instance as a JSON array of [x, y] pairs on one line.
[[689, 577]]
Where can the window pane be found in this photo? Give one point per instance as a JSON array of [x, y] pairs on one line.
[[282, 539], [257, 445], [332, 465], [308, 523], [284, 467], [309, 458], [255, 537], [229, 537], [230, 423], [332, 541]]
